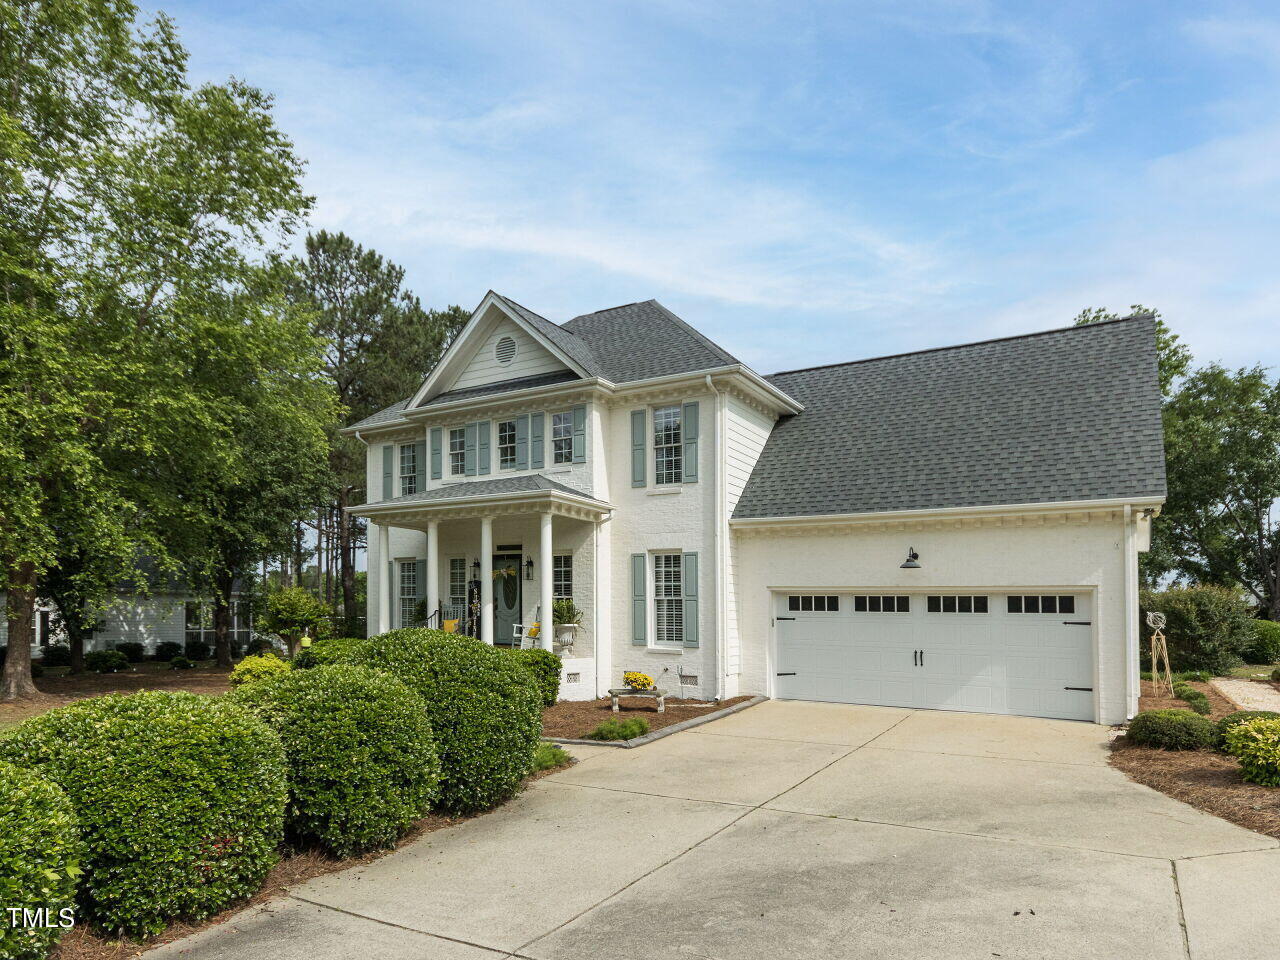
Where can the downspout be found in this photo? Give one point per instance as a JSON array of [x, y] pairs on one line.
[[1133, 687], [721, 539]]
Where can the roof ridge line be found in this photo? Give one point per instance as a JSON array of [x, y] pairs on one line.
[[971, 343], [621, 306]]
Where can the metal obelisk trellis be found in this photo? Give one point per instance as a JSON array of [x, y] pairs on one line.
[[1161, 674]]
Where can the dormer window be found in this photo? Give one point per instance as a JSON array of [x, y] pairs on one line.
[[505, 350]]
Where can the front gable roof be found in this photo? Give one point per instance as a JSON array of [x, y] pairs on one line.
[[1063, 415]]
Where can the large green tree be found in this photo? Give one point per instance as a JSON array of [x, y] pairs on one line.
[[128, 202], [380, 343]]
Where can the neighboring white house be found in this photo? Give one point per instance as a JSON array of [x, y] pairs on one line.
[[954, 528]]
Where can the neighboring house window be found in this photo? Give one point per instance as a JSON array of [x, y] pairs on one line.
[[562, 576], [507, 445], [408, 592], [818, 604], [42, 628], [881, 604], [956, 604], [408, 469], [1042, 604], [458, 451], [562, 437], [458, 580], [668, 462], [668, 603], [197, 619]]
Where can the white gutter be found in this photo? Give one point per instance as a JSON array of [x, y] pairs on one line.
[[1134, 686], [1056, 506], [720, 528], [390, 506]]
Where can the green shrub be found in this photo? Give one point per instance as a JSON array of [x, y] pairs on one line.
[[1256, 743], [37, 669], [1172, 730], [257, 669], [105, 661], [57, 655], [196, 649], [1243, 716], [1196, 699], [180, 800], [483, 706], [262, 643], [548, 756], [545, 668], [1275, 674], [133, 651], [323, 652], [181, 663], [363, 764], [1208, 627], [40, 855], [1265, 647], [615, 729], [166, 650]]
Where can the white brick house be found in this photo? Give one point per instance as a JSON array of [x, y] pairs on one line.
[[730, 533]]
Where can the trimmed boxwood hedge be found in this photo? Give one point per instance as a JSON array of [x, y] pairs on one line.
[[180, 800], [257, 669], [1172, 730], [484, 707], [1243, 716], [545, 667], [1265, 647], [363, 764], [322, 652], [40, 855]]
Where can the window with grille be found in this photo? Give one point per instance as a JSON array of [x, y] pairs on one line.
[[817, 604], [668, 454], [668, 602], [408, 592], [881, 604], [1048, 603], [562, 576], [507, 445], [408, 468], [562, 437], [457, 451], [957, 604], [457, 580]]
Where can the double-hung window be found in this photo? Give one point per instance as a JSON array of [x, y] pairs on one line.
[[507, 445], [562, 437], [408, 592], [457, 451], [562, 576], [457, 580], [408, 468], [668, 599], [668, 454]]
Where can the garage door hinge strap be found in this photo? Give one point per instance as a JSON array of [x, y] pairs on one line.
[[784, 618], [1086, 689], [1077, 623], [785, 674]]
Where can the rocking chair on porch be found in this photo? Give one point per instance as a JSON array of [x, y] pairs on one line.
[[524, 636]]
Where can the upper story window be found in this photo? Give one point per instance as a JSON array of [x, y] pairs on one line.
[[507, 445], [668, 457], [457, 451], [668, 593], [562, 437], [408, 468]]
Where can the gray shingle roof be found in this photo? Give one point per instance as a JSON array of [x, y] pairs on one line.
[[568, 344], [530, 483], [642, 340], [1063, 415], [504, 386], [385, 415]]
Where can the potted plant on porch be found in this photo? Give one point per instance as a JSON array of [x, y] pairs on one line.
[[567, 618]]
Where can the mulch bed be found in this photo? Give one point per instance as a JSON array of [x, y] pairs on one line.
[[574, 719], [1205, 779]]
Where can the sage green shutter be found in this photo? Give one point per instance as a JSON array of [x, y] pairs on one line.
[[689, 431], [580, 434], [420, 587], [482, 429], [469, 449], [394, 592], [420, 466], [637, 599], [437, 452], [522, 442], [537, 444], [388, 470], [689, 580], [637, 448]]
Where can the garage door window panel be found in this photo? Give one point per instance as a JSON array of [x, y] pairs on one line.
[[959, 603], [813, 603], [1042, 603]]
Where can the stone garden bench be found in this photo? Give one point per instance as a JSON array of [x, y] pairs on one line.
[[628, 692]]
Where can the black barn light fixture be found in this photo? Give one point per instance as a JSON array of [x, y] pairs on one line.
[[911, 563]]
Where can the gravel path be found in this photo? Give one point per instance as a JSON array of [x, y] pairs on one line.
[[1248, 694]]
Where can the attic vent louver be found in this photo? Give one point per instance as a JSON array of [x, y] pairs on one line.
[[505, 350]]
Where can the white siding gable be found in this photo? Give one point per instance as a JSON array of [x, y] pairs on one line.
[[531, 359]]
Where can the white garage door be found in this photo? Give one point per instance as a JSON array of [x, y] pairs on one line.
[[1027, 653]]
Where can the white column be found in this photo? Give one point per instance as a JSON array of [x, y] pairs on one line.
[[545, 582], [433, 567], [384, 578], [486, 580]]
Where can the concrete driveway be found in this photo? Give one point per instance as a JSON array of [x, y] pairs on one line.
[[809, 831]]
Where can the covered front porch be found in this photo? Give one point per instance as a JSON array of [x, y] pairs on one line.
[[495, 556]]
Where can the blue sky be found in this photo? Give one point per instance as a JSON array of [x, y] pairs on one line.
[[805, 182]]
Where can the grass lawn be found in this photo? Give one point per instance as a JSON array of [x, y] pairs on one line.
[[1253, 671]]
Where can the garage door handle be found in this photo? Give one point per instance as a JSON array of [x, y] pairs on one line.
[[915, 658], [1077, 623], [1086, 689], [792, 674]]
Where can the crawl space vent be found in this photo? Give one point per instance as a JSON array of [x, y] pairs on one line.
[[573, 678]]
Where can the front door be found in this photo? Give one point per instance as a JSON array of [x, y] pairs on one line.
[[506, 597]]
